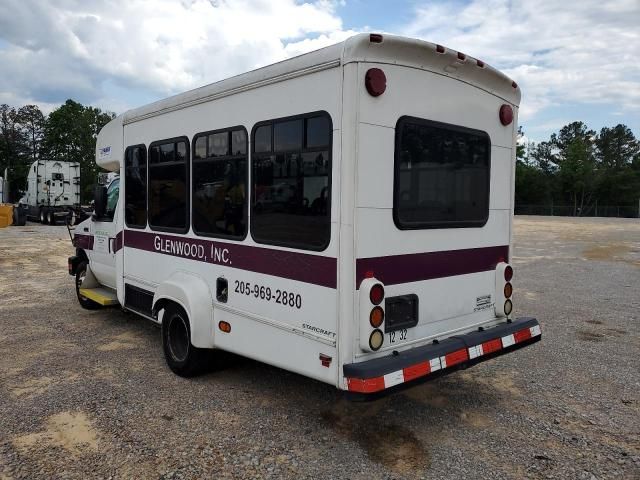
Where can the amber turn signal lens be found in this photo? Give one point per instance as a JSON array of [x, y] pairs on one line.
[[508, 290], [376, 317], [376, 294], [224, 326], [508, 307], [376, 339]]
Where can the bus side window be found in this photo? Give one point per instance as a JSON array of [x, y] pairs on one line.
[[219, 172], [169, 185], [135, 187], [291, 192]]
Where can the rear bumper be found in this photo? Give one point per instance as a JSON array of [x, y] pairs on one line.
[[386, 374]]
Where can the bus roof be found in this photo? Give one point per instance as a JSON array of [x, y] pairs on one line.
[[359, 48]]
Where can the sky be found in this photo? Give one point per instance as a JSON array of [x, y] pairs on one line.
[[574, 60]]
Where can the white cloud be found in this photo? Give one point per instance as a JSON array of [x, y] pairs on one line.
[[559, 52], [72, 47]]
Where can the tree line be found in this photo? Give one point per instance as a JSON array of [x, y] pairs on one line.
[[581, 169], [577, 167], [68, 134]]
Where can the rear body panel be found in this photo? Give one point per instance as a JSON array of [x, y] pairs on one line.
[[452, 271]]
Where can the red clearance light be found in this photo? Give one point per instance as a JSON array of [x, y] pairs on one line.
[[375, 38], [375, 81], [376, 294], [508, 273], [439, 49], [224, 326], [514, 84], [506, 114], [461, 56], [480, 63]]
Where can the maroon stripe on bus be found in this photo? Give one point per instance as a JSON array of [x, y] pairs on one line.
[[118, 242], [83, 241], [395, 269], [303, 267]]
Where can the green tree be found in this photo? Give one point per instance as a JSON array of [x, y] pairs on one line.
[[14, 149], [32, 122], [619, 182], [70, 135]]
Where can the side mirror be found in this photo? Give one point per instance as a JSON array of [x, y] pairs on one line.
[[100, 201]]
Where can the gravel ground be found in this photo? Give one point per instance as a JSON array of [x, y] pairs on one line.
[[87, 394]]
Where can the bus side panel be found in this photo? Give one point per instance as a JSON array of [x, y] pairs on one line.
[[290, 330]]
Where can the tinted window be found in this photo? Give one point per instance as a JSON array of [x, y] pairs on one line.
[[288, 135], [291, 185], [317, 132], [135, 177], [441, 175], [262, 139], [168, 186], [220, 185]]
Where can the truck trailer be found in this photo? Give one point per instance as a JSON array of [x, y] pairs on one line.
[[53, 190]]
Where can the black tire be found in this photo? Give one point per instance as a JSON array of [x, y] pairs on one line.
[[51, 218], [182, 357], [42, 216], [85, 303]]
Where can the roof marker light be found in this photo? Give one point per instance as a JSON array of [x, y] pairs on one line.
[[480, 63], [439, 49], [375, 38], [514, 84], [461, 56]]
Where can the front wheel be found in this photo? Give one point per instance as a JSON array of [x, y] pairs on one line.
[[42, 216], [182, 357], [81, 273], [51, 218]]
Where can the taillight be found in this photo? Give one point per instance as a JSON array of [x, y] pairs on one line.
[[508, 273], [372, 314], [375, 81], [376, 294], [504, 290], [506, 114], [376, 317], [376, 339]]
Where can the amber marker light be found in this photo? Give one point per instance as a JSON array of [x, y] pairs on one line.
[[224, 326], [376, 317]]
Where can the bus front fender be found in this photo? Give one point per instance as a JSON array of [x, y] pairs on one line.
[[191, 292]]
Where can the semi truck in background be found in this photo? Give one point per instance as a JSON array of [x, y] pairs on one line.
[[53, 191]]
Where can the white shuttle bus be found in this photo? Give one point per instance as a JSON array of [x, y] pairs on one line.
[[345, 215]]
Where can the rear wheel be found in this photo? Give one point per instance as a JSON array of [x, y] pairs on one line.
[[42, 216], [81, 273], [182, 357], [51, 218]]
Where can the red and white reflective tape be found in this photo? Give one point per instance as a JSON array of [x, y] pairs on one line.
[[376, 384]]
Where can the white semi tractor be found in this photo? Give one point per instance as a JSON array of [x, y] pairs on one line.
[[53, 190]]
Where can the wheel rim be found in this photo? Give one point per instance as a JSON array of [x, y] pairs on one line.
[[178, 338]]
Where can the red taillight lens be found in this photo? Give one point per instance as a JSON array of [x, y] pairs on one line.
[[506, 114], [376, 82], [376, 294], [508, 273]]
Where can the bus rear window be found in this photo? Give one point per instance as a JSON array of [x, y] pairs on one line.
[[441, 175]]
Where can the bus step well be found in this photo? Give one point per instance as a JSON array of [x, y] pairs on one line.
[[102, 295]]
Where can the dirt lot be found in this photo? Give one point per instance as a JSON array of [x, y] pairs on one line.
[[87, 394]]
